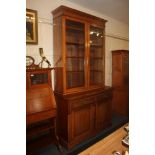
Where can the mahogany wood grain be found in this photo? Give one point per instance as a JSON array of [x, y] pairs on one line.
[[83, 115], [66, 11], [120, 82], [41, 110], [84, 102]]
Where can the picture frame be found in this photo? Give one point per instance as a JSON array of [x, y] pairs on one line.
[[31, 26]]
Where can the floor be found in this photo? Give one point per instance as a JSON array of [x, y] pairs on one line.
[[117, 121]]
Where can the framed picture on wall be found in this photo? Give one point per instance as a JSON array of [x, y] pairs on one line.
[[31, 26]]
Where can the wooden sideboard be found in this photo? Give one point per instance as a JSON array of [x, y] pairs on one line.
[[108, 145], [83, 115]]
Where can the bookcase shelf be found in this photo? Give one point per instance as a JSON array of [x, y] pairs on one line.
[[74, 43], [96, 46]]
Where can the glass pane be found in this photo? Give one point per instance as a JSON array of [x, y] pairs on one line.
[[75, 79], [96, 36], [75, 32], [39, 78], [96, 56], [96, 64], [96, 77], [75, 64], [75, 53], [96, 52]]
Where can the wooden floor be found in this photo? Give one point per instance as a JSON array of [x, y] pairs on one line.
[[108, 145]]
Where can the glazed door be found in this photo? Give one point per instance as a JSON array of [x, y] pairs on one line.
[[96, 56], [75, 54]]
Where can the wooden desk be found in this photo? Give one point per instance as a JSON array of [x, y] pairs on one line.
[[40, 104], [40, 110], [108, 145]]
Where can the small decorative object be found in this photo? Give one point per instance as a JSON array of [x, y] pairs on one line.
[[119, 153], [126, 140], [116, 153], [127, 128], [31, 27], [126, 153], [44, 59], [30, 63]]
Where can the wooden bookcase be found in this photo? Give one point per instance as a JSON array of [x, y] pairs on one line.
[[84, 102], [120, 82]]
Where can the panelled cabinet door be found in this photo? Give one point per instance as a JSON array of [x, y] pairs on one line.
[[121, 101], [120, 68], [126, 69], [117, 70], [75, 53], [82, 119], [103, 112]]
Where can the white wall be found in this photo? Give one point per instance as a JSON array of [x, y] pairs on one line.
[[45, 31]]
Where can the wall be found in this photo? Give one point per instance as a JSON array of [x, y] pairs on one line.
[[114, 30]]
